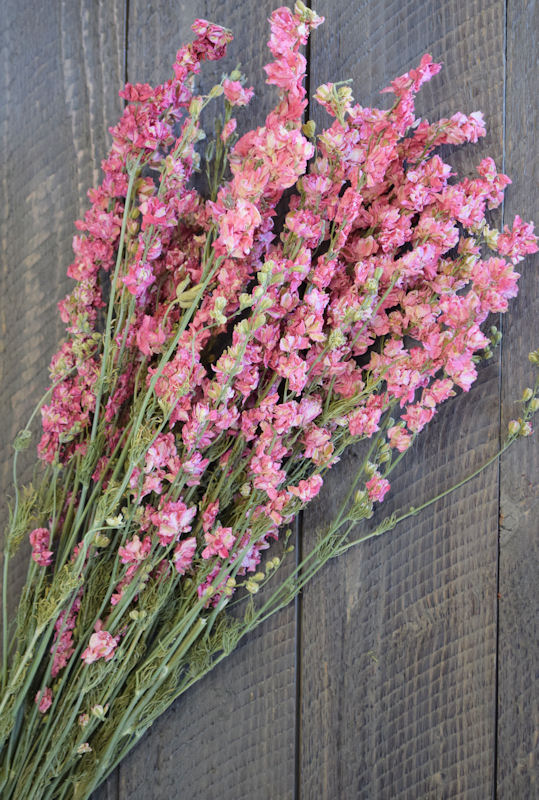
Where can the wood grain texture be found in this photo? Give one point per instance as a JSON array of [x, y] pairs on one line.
[[63, 64], [399, 637], [518, 685], [62, 67], [232, 735]]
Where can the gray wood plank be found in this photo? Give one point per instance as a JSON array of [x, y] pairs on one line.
[[399, 636], [62, 68], [518, 685], [63, 64], [232, 734]]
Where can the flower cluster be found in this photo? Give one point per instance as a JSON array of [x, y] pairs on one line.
[[225, 347], [264, 346]]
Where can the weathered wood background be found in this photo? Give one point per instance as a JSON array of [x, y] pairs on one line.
[[407, 669]]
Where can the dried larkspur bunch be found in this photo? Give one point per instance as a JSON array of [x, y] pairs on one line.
[[195, 411]]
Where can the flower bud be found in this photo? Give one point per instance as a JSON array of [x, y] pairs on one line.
[[514, 427], [195, 107], [265, 303], [309, 128], [136, 615], [527, 394], [306, 14], [491, 237], [99, 711], [336, 339], [115, 522], [360, 496], [22, 440], [370, 469], [384, 453]]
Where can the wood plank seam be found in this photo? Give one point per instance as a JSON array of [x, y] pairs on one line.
[[499, 469]]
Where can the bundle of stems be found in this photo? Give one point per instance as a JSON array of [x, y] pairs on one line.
[[224, 347]]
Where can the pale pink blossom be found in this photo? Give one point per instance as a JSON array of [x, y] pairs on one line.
[[134, 550], [307, 489], [236, 94], [219, 542], [173, 519], [101, 645], [40, 540], [44, 700], [183, 554], [377, 487]]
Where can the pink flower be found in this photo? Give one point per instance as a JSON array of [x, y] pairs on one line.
[[44, 700], [364, 421], [237, 228], [161, 453], [150, 336], [268, 475], [416, 77], [399, 438], [417, 417], [211, 39], [318, 445], [213, 594], [228, 129], [194, 467], [518, 242], [209, 515], [308, 489], [139, 278], [101, 645], [62, 647], [135, 551], [236, 94], [377, 487], [294, 369], [40, 540], [183, 554], [158, 213], [172, 519], [219, 542]]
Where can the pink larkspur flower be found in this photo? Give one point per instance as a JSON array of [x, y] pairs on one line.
[[40, 540], [236, 94], [101, 645], [172, 519], [377, 487], [44, 700], [518, 242], [135, 551], [307, 489], [183, 554], [219, 542]]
